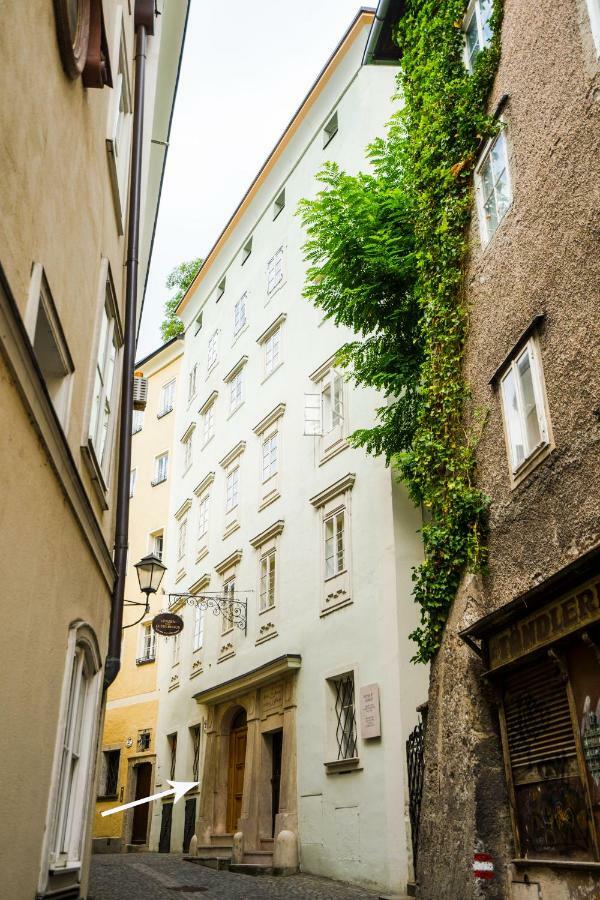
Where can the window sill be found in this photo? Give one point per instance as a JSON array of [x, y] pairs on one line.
[[155, 482], [528, 465], [341, 766], [58, 869], [207, 442], [338, 447], [211, 368], [327, 610], [233, 411], [267, 635], [163, 413], [231, 528], [202, 552], [272, 372], [197, 668], [144, 660], [270, 498], [180, 574], [239, 333]]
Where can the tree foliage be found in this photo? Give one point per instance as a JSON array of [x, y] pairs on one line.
[[180, 278], [386, 251]]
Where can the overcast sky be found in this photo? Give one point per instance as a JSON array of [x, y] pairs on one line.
[[246, 68]]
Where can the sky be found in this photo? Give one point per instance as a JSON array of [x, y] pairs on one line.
[[246, 68]]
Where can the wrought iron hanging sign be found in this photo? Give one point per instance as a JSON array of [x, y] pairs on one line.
[[233, 609], [167, 624]]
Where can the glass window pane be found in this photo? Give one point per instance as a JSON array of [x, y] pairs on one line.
[[472, 38], [530, 412], [513, 421], [329, 548]]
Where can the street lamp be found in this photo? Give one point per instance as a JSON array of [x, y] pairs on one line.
[[150, 573]]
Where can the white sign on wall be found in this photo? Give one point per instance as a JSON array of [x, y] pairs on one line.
[[370, 717]]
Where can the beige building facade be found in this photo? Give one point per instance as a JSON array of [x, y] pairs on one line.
[[128, 744], [66, 109]]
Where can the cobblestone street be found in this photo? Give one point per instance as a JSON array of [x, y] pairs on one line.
[[156, 876]]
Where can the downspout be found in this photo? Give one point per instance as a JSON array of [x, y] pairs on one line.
[[144, 24], [378, 22]]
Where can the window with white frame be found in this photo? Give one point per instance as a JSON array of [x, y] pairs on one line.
[[523, 405], [232, 496], [181, 539], [167, 398], [161, 463], [270, 449], [236, 391], [192, 382], [335, 543], [477, 29], [324, 412], [272, 345], [203, 516], [344, 724], [198, 638], [104, 402], [246, 250], [267, 581], [239, 314], [120, 119], [211, 353], [138, 421], [188, 451], [76, 749], [275, 271], [147, 642], [227, 614], [157, 544], [594, 14], [494, 190], [208, 423], [132, 480]]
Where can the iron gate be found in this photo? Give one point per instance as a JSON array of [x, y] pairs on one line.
[[414, 759], [189, 826]]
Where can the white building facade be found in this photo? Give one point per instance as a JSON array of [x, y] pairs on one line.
[[297, 720]]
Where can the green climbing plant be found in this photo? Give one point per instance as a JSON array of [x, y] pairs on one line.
[[386, 251]]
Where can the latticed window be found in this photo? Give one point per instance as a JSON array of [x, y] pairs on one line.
[[233, 489], [275, 271], [332, 399], [345, 730], [203, 517], [236, 391], [269, 456], [192, 381], [208, 420], [239, 314], [211, 355], [196, 731], [182, 537], [148, 648], [272, 351], [495, 195], [167, 398], [109, 779], [198, 628], [160, 468], [187, 452], [227, 616], [143, 740], [335, 544], [267, 581]]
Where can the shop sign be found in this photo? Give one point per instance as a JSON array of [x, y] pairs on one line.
[[564, 616], [167, 624]]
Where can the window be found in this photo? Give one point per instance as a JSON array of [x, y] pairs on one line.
[[334, 544], [147, 642], [198, 324], [172, 741], [118, 137], [275, 271], [195, 733], [132, 479], [181, 539], [109, 773], [221, 289], [476, 26], [167, 398], [176, 648], [192, 382], [198, 628], [493, 187], [157, 545], [160, 468], [246, 250], [233, 489], [138, 421], [272, 345], [594, 14], [523, 406], [208, 423], [144, 739], [211, 355], [279, 204], [187, 451], [236, 391], [332, 401], [269, 456], [330, 130], [101, 419], [76, 748], [239, 314], [227, 615], [267, 581], [345, 718], [203, 516]]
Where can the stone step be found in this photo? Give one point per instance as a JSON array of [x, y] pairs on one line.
[[211, 850], [220, 863], [221, 840], [258, 857], [251, 868], [136, 848], [267, 844]]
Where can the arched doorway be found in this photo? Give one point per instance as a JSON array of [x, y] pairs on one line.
[[237, 763]]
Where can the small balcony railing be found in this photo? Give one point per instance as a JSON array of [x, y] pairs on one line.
[[144, 660]]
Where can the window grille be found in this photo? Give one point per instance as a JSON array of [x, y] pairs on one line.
[[138, 421], [110, 779], [236, 391], [148, 643], [345, 731], [172, 739], [158, 545], [196, 732], [143, 741]]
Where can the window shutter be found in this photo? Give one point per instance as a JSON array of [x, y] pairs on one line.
[[313, 419]]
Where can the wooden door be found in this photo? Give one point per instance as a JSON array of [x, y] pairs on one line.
[[276, 748], [139, 829], [237, 763], [164, 842]]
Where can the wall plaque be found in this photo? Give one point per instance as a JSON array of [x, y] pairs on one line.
[[370, 716], [167, 624]]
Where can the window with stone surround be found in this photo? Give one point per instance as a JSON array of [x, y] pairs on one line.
[[493, 184], [333, 507], [275, 271], [239, 314], [109, 774]]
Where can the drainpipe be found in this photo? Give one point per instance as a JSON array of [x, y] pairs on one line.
[[378, 21], [144, 25]]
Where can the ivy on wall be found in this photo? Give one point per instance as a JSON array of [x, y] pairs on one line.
[[386, 252]]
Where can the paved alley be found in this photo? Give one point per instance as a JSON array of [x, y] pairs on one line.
[[157, 876]]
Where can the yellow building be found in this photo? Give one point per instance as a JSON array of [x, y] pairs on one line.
[[128, 754]]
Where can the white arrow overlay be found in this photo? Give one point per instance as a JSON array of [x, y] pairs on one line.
[[179, 788]]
